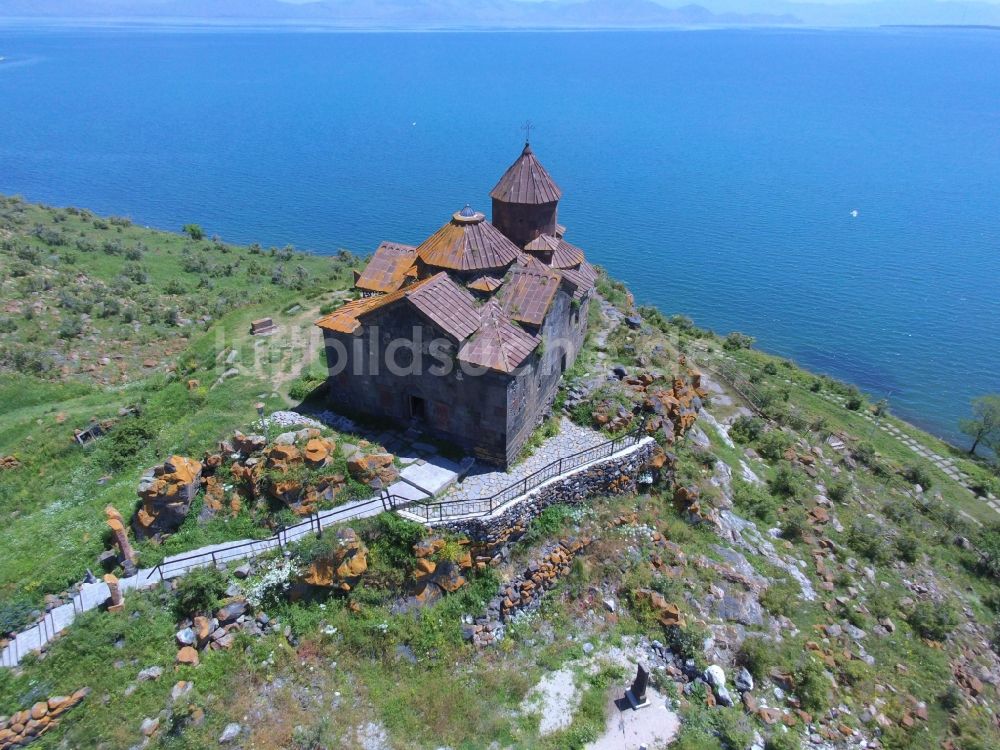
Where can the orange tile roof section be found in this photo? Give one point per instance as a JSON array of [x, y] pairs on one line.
[[485, 283], [498, 344], [388, 269], [528, 291], [347, 318], [468, 244], [526, 181]]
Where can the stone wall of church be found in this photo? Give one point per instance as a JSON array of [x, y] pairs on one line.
[[522, 223], [531, 393], [469, 411]]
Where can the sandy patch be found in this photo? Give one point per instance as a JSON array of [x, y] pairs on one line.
[[555, 697], [654, 726]]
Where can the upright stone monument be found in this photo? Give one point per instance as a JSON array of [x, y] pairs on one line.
[[636, 694]]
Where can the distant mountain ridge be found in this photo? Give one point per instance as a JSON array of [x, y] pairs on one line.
[[399, 13]]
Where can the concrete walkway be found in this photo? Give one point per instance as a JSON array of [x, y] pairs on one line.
[[483, 481], [93, 595]]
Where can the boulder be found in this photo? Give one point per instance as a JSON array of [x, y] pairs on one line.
[[188, 656], [342, 565], [231, 611], [367, 468], [318, 451], [166, 492]]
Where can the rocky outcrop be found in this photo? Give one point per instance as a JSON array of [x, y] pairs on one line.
[[436, 575], [375, 469], [29, 724], [342, 566], [166, 493]]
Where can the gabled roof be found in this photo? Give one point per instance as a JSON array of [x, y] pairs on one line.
[[564, 255], [526, 181], [528, 291], [498, 344], [485, 283], [452, 308], [581, 278], [445, 303], [388, 269], [468, 243]]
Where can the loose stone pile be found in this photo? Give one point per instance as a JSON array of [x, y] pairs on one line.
[[524, 593], [31, 723], [219, 632]]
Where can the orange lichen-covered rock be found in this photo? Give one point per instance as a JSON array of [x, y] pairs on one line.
[[374, 469], [283, 457], [166, 492], [9, 463], [343, 565], [318, 450], [188, 655]]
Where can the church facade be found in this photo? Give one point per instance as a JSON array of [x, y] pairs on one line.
[[466, 335]]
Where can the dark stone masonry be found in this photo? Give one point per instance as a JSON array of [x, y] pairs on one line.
[[613, 476], [467, 335]]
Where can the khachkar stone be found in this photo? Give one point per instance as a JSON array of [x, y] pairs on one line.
[[117, 601], [117, 525], [636, 694]]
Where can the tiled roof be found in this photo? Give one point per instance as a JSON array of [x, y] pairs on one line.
[[485, 283], [388, 269], [498, 344], [528, 291], [468, 244], [526, 181], [582, 278], [564, 255], [347, 318], [446, 303]]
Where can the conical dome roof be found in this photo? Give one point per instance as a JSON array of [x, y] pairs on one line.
[[468, 243], [526, 182]]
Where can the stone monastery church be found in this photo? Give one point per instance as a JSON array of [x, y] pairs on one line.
[[479, 322]]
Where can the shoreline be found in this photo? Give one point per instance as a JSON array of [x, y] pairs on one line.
[[909, 421]]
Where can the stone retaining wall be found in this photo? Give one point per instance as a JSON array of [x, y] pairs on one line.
[[614, 475]]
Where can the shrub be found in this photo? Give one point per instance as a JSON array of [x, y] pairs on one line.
[[302, 387], [780, 740], [781, 598], [687, 642], [869, 539], [194, 231], [757, 655], [746, 429], [794, 524], [772, 445], [787, 482], [736, 341], [15, 613], [199, 592], [907, 546], [122, 444], [933, 620], [812, 687], [755, 500], [839, 492], [917, 474]]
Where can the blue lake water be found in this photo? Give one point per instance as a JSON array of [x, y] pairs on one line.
[[714, 171]]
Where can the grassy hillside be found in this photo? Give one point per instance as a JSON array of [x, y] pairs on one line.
[[857, 581]]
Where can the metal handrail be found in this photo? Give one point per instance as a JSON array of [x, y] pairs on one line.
[[528, 483]]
